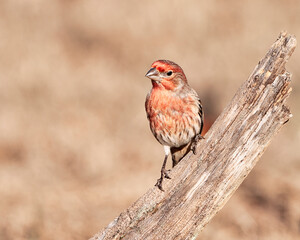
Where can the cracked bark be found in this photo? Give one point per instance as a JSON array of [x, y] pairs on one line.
[[201, 184]]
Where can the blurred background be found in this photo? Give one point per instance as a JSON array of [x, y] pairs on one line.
[[75, 145]]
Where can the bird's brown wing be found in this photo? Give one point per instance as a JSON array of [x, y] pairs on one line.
[[201, 114]]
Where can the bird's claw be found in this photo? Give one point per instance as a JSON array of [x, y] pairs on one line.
[[164, 174], [195, 142], [159, 184]]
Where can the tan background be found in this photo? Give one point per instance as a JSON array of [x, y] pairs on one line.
[[75, 146]]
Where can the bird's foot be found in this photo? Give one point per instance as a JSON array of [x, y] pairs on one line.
[[195, 142], [159, 184], [164, 174]]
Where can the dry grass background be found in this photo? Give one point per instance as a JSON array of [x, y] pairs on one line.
[[75, 146]]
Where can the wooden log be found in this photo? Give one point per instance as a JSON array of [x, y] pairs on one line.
[[201, 184]]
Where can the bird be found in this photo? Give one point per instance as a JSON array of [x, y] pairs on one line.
[[174, 111]]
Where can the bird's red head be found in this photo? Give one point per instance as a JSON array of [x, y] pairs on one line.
[[166, 65], [166, 73]]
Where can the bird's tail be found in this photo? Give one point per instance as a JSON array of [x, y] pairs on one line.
[[180, 152]]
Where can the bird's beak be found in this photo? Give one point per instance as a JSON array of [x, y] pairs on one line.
[[153, 74]]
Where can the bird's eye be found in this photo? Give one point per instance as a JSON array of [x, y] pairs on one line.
[[169, 73]]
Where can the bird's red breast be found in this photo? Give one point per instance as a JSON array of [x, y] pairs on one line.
[[174, 120]]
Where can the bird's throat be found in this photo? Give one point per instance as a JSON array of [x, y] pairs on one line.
[[164, 84]]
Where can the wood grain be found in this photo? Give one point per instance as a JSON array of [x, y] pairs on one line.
[[201, 184]]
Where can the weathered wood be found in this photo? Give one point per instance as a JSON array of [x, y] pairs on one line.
[[201, 184]]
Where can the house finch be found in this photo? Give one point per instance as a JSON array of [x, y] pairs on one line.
[[174, 111]]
